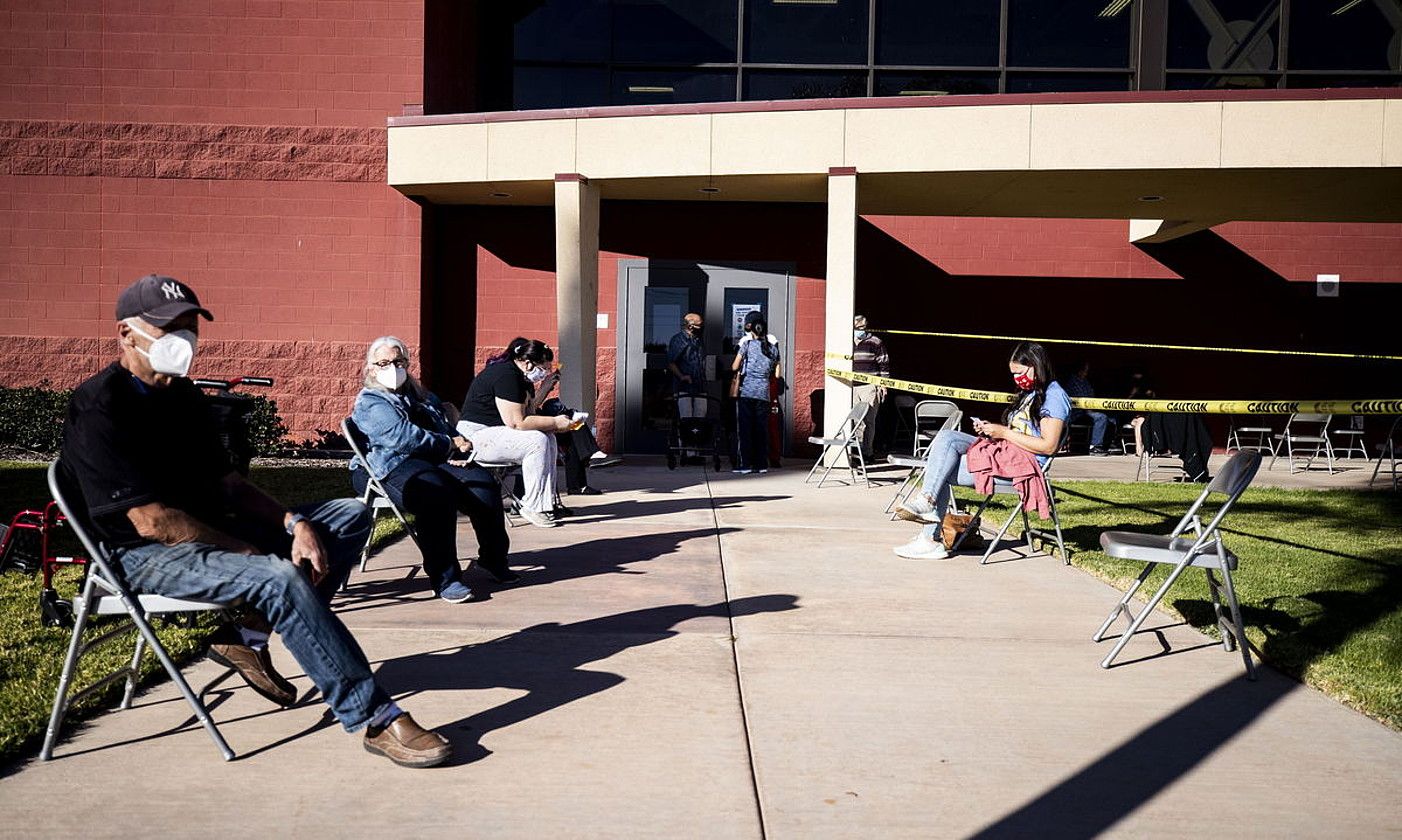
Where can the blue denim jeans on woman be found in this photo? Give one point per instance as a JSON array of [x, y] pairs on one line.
[[299, 612], [946, 466]]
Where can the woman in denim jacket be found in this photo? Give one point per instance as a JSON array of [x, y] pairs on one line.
[[423, 464]]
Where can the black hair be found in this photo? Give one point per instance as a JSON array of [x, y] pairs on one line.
[[1035, 356], [535, 352], [756, 324]]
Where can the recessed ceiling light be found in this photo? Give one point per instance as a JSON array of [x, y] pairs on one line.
[[924, 93], [501, 195], [651, 89], [709, 190], [1151, 198]]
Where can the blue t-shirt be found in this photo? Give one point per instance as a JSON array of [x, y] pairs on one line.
[[1057, 405], [757, 368]]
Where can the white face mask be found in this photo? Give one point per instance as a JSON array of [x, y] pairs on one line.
[[391, 377], [858, 335], [171, 354], [537, 374]]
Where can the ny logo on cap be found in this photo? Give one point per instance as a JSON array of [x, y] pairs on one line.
[[172, 291]]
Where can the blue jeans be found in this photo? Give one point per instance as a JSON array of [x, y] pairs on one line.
[[946, 466], [434, 494], [299, 612], [1098, 422]]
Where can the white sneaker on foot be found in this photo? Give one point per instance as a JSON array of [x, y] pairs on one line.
[[921, 548], [538, 519], [918, 508]]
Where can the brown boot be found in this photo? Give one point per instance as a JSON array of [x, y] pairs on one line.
[[255, 666], [407, 744]]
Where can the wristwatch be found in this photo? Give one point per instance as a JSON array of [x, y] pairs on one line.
[[292, 523]]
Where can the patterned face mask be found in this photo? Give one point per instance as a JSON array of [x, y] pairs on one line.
[[1024, 381]]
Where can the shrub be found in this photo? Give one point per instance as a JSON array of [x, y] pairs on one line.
[[266, 432], [31, 418]]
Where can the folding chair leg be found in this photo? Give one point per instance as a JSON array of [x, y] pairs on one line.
[[1056, 524], [997, 538], [82, 605], [1219, 612], [1144, 613], [130, 689], [977, 513], [1123, 605], [1239, 628]]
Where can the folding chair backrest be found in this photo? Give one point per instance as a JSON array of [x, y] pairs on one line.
[[927, 412], [64, 488], [1309, 421], [359, 444], [1231, 480], [854, 419]]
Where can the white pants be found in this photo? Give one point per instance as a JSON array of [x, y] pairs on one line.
[[534, 451]]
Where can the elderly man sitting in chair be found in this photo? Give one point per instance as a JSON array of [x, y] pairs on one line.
[[179, 521]]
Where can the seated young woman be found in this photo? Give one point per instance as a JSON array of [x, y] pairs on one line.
[[1033, 422], [422, 461], [495, 420]]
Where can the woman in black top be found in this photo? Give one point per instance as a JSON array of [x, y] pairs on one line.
[[494, 418]]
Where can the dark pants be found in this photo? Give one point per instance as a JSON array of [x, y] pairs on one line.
[[752, 445], [575, 447], [435, 494]]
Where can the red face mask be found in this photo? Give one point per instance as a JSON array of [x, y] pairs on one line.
[[1024, 381]]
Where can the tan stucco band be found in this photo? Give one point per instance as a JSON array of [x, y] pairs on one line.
[[1230, 158]]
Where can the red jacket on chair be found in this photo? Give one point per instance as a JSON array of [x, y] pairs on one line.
[[989, 459]]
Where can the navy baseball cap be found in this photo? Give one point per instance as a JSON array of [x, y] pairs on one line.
[[158, 300]]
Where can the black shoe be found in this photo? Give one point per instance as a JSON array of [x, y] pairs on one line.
[[499, 572], [561, 511], [1099, 451], [586, 490]]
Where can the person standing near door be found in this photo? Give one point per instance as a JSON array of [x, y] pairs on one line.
[[686, 357], [756, 363], [868, 356]]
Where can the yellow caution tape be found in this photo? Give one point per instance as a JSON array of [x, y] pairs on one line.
[[1319, 354], [1177, 406]]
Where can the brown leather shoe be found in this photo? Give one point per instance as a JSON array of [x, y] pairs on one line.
[[255, 666], [407, 744]]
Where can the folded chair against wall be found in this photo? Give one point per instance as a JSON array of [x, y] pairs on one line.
[[1190, 544], [1003, 487], [104, 592], [938, 415], [375, 494], [1305, 432], [846, 443]]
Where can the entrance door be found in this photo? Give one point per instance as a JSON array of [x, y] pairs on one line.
[[653, 295]]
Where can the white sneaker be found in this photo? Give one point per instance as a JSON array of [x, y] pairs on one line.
[[918, 508], [601, 455], [739, 471], [921, 548], [538, 519]]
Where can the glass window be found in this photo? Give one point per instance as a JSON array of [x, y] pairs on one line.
[[563, 30], [951, 33], [651, 87], [1209, 81], [1068, 33], [935, 83], [806, 31], [683, 31], [1320, 80], [559, 87], [1224, 34], [1066, 82], [1343, 35], [798, 84]]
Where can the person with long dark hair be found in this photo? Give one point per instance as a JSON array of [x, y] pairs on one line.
[[1032, 422], [423, 460], [756, 363], [494, 418]]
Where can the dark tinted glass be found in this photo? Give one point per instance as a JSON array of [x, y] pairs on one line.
[[564, 30], [1341, 35], [950, 33], [1068, 33], [651, 87], [1066, 82], [559, 87], [935, 83], [806, 31], [798, 84], [1225, 34], [1310, 80], [1209, 81], [686, 31]]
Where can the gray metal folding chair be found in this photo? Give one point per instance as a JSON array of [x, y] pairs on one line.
[[1003, 487], [931, 418], [104, 592], [503, 471], [1190, 544], [948, 416], [1255, 438], [1387, 450], [1306, 431], [845, 443], [375, 494], [1351, 439]]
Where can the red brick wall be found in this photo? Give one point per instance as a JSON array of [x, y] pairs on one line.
[[236, 145]]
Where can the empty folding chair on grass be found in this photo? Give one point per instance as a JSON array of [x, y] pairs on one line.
[[1190, 544], [104, 592], [845, 443], [375, 495]]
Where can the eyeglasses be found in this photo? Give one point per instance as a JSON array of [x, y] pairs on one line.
[[384, 363]]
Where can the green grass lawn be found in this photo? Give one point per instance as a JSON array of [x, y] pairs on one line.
[[1320, 581], [31, 655]]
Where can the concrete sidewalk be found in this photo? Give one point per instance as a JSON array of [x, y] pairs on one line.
[[726, 656]]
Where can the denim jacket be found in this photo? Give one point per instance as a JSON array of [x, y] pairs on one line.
[[399, 427]]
